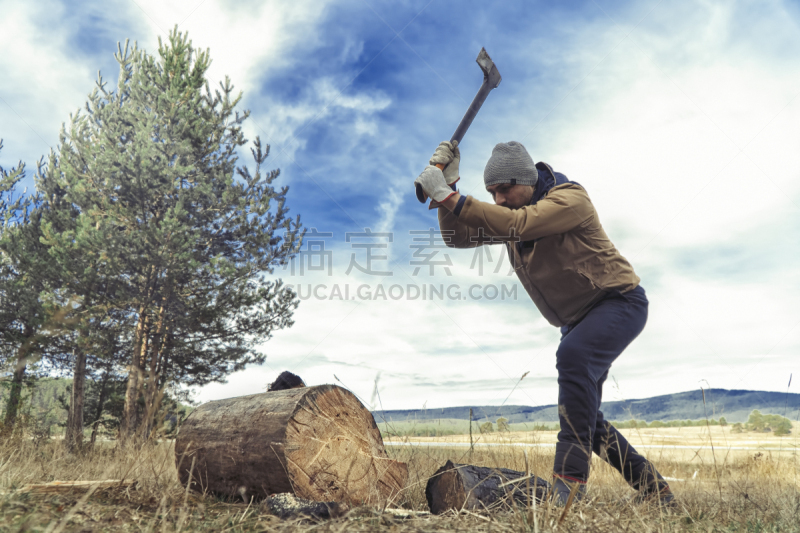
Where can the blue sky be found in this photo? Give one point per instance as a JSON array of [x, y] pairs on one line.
[[679, 118]]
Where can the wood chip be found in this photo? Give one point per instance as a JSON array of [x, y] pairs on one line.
[[55, 487]]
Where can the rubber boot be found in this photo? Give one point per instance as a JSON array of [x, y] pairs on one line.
[[663, 496], [562, 488]]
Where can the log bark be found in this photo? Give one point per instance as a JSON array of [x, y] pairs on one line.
[[318, 443], [459, 486]]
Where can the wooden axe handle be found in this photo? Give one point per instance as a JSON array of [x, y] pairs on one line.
[[491, 79]]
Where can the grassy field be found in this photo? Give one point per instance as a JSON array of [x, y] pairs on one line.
[[447, 426], [731, 490], [671, 444]]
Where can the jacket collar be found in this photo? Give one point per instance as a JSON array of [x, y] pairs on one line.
[[547, 180]]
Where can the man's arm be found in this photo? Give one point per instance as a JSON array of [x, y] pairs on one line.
[[454, 233], [451, 203], [564, 208]]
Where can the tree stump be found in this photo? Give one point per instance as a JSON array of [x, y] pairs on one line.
[[318, 443], [456, 486]]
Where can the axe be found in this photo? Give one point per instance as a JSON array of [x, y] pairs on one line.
[[491, 79]]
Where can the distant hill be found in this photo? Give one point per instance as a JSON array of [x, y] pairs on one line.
[[734, 405]]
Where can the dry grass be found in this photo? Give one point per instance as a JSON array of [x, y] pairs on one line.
[[753, 492]]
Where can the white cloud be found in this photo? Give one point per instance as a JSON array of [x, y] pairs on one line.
[[387, 208], [330, 100], [42, 81], [45, 78], [327, 91]]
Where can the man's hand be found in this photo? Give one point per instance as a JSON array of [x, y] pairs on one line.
[[449, 155], [434, 184]]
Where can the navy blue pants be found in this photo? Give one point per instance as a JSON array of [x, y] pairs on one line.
[[583, 359]]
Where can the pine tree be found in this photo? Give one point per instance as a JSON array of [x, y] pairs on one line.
[[26, 320], [151, 218]]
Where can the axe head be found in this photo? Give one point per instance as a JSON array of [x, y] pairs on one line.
[[490, 74], [491, 79]]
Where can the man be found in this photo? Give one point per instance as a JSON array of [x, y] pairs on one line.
[[579, 282]]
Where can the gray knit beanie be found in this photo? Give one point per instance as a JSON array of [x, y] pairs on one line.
[[510, 163]]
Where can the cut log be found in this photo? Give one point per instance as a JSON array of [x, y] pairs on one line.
[[457, 486], [318, 443]]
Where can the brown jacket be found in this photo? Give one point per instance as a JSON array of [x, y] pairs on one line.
[[563, 258]]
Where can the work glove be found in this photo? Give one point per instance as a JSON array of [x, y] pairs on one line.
[[448, 154], [434, 184]]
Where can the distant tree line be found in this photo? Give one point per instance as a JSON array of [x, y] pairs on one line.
[[419, 432], [760, 423], [141, 262], [757, 422], [630, 424]]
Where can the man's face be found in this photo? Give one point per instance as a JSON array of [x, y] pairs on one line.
[[511, 196]]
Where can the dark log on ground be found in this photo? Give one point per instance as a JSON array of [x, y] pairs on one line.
[[286, 380], [456, 486], [318, 443]]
